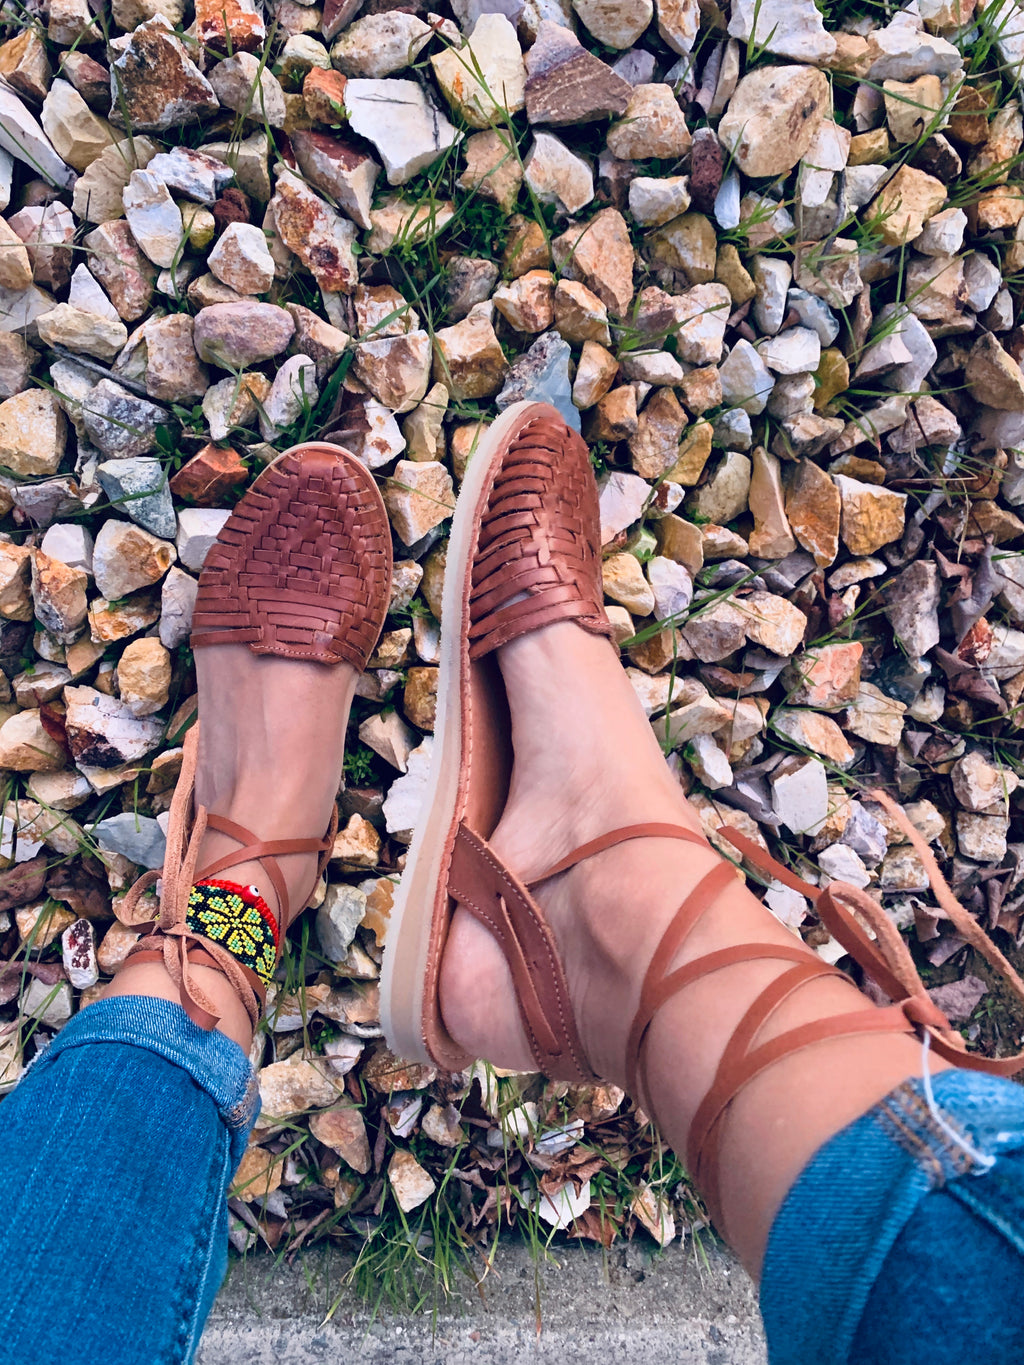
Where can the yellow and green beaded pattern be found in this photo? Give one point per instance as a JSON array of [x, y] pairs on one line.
[[224, 917]]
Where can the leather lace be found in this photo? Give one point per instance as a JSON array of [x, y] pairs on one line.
[[503, 903], [845, 910], [168, 938]]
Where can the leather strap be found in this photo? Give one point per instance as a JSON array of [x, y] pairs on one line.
[[502, 903], [537, 560], [169, 938], [494, 896], [886, 959], [158, 948], [618, 836]]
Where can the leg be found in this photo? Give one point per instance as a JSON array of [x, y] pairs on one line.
[[586, 761], [822, 1136], [136, 1114], [270, 755], [119, 1146]]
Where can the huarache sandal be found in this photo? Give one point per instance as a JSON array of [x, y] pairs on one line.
[[301, 570], [523, 553]]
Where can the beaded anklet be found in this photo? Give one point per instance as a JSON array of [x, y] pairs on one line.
[[237, 919]]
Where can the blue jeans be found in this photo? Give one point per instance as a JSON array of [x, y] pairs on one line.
[[899, 1242], [118, 1146], [902, 1242]]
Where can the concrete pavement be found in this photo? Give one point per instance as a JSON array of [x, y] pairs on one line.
[[594, 1308]]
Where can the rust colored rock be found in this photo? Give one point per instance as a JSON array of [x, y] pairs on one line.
[[600, 255], [22, 883], [324, 95], [337, 13], [321, 238], [229, 25], [90, 78], [24, 64], [343, 1130], [232, 207], [47, 233], [339, 170], [566, 84], [209, 476], [772, 536], [120, 267], [826, 677], [813, 507], [706, 167], [158, 85]]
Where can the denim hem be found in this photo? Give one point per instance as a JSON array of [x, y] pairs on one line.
[[846, 1210], [215, 1063]]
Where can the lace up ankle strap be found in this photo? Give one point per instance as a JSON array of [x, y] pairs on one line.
[[173, 937], [502, 903], [845, 910]]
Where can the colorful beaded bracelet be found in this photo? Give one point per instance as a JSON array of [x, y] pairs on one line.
[[238, 919]]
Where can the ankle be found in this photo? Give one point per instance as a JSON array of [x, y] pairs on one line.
[[152, 979]]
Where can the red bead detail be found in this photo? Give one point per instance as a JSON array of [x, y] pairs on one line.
[[249, 896]]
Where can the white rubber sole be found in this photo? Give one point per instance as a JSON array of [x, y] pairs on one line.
[[423, 892]]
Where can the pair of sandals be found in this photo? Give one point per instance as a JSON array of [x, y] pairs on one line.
[[302, 570]]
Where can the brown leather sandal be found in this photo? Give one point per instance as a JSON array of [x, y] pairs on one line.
[[301, 570], [523, 553]]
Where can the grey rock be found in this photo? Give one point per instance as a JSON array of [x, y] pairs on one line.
[[772, 275], [103, 732], [912, 606], [338, 919], [138, 487], [234, 336], [44, 502], [815, 314], [51, 1005], [732, 430], [245, 85], [727, 203], [470, 281], [865, 835], [119, 423], [191, 173], [71, 543], [198, 528], [636, 66], [177, 602], [136, 837], [746, 382], [395, 115], [542, 376]]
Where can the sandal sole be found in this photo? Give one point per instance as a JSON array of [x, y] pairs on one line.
[[418, 925]]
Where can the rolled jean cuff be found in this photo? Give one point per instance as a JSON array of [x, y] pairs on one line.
[[847, 1208], [217, 1065]]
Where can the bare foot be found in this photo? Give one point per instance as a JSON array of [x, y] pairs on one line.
[[271, 747]]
